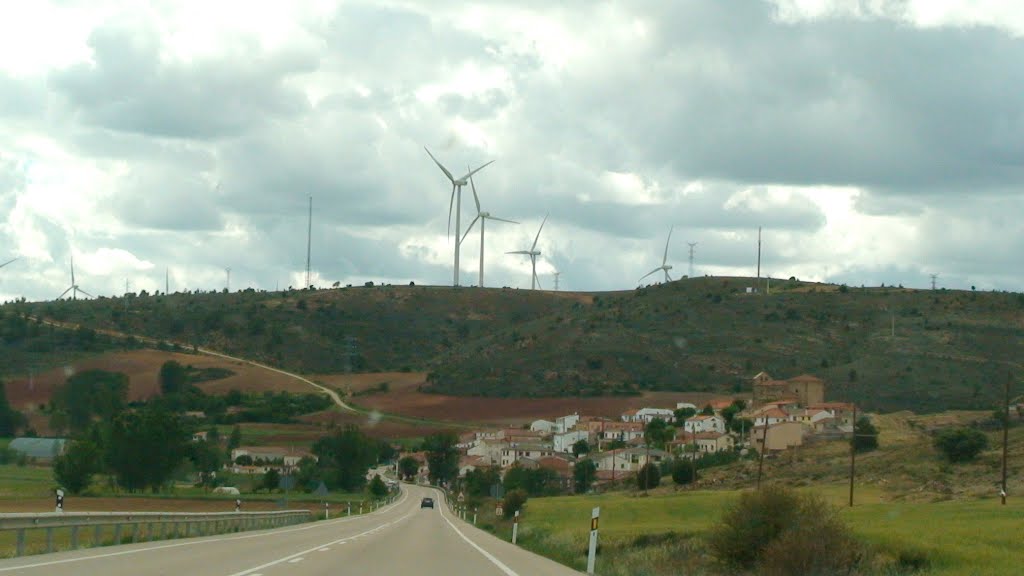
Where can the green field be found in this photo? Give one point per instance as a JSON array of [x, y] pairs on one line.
[[25, 481], [956, 537]]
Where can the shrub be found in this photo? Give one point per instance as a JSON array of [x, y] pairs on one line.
[[865, 435], [513, 502], [779, 531], [684, 471], [961, 444], [648, 477]]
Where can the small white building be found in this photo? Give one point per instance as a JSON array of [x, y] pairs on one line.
[[563, 442], [646, 415], [513, 452], [542, 426], [682, 405], [704, 423], [628, 459], [489, 450], [566, 423]]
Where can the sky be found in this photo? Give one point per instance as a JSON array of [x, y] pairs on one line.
[[873, 141]]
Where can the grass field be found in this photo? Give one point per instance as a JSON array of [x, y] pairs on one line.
[[957, 538]]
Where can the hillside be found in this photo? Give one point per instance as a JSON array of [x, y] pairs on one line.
[[693, 335]]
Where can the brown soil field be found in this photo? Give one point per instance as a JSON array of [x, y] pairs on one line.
[[403, 398], [373, 426], [354, 383], [142, 368]]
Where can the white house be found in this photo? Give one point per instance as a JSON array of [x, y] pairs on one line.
[[771, 416], [704, 423], [542, 426], [628, 459], [513, 452], [566, 423], [489, 449], [563, 442], [681, 405], [646, 415]]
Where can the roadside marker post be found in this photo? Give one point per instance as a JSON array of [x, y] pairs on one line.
[[515, 527], [349, 506], [60, 501], [327, 510], [475, 510], [595, 515]]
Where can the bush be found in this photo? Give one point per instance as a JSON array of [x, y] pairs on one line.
[[513, 502], [961, 444], [683, 471], [779, 531], [648, 477], [865, 435]]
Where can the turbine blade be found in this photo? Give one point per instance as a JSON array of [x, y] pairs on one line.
[[72, 268], [527, 252], [451, 204], [537, 237], [84, 292], [664, 259], [475, 197], [501, 219], [649, 273], [441, 166], [468, 229], [470, 174], [8, 262], [64, 292], [667, 277], [537, 279]]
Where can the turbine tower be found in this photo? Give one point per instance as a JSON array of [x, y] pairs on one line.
[[457, 184], [665, 267], [227, 286], [74, 289], [483, 217], [692, 245], [533, 253], [309, 238], [557, 274]]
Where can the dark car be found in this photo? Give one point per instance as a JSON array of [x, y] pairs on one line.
[[427, 503]]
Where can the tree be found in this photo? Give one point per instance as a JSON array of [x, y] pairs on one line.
[[865, 435], [207, 458], [74, 469], [513, 502], [87, 395], [173, 378], [708, 410], [145, 446], [271, 480], [408, 467], [730, 411], [478, 481], [684, 471], [344, 458], [10, 420], [684, 414], [442, 456], [658, 433], [584, 475], [377, 487], [649, 476], [961, 444], [235, 440], [580, 447]]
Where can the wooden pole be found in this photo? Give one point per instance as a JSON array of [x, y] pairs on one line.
[[1006, 432], [853, 452], [764, 448]]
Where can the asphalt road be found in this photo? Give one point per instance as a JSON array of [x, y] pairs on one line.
[[399, 539]]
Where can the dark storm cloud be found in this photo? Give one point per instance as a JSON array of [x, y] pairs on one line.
[[129, 88]]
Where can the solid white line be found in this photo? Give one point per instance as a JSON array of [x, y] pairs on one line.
[[294, 560], [501, 566], [324, 550], [207, 540]]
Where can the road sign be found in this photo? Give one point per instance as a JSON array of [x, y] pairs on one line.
[[595, 516], [499, 511], [286, 482], [321, 490]]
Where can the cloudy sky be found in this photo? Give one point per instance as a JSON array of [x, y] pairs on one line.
[[874, 140]]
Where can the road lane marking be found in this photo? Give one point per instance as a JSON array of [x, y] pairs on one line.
[[324, 550], [501, 566], [291, 558], [294, 560], [207, 540]]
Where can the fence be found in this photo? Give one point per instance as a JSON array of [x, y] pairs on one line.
[[64, 530]]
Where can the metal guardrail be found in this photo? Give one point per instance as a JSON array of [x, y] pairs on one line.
[[144, 526]]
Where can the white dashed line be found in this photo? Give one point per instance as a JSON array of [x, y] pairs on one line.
[[324, 550], [294, 560]]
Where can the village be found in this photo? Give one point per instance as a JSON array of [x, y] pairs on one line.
[[778, 414]]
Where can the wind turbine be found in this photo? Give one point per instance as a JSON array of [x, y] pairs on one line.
[[665, 267], [533, 253], [483, 217], [74, 289], [8, 262], [457, 184]]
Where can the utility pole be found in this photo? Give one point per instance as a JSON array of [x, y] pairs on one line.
[[853, 451], [167, 281], [758, 284], [1006, 432], [227, 287], [692, 245], [764, 448], [309, 238]]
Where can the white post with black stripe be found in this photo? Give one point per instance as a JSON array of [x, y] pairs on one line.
[[595, 515]]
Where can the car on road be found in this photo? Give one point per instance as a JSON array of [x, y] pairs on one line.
[[427, 503]]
